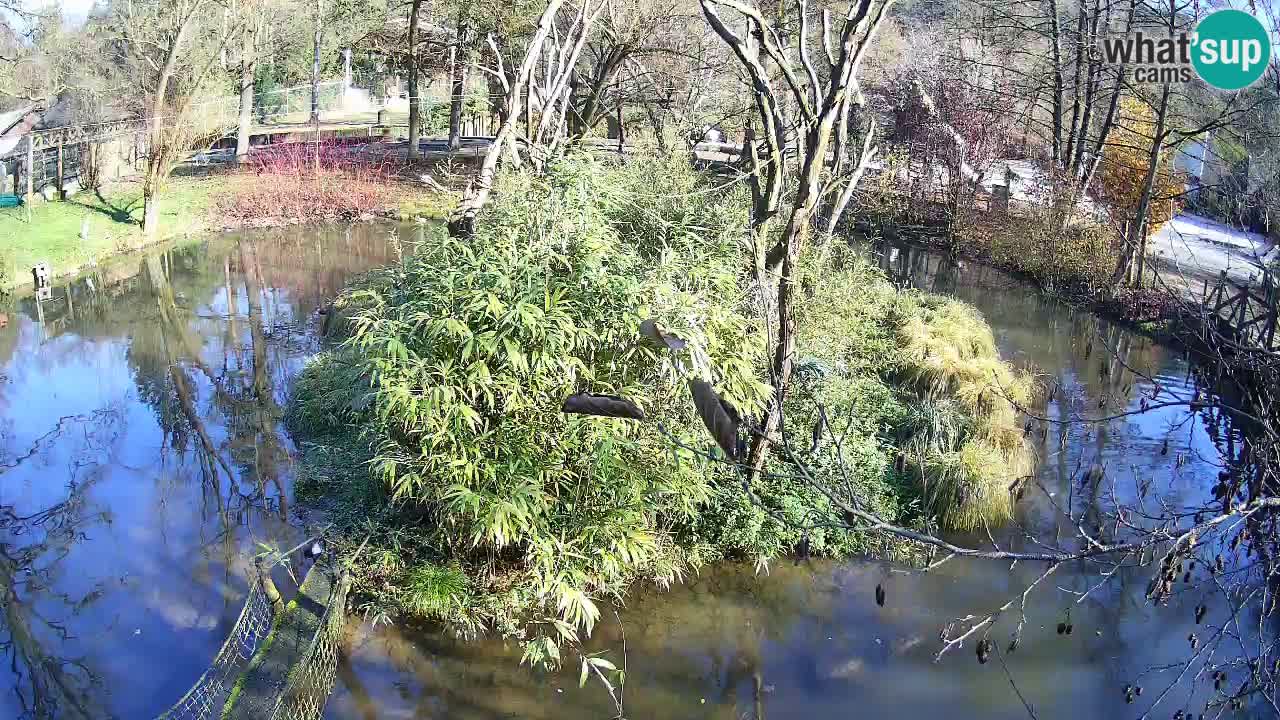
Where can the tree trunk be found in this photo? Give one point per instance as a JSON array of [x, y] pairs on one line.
[[157, 152], [782, 259], [463, 222], [585, 114], [247, 62], [657, 123], [1076, 97], [315, 62], [1055, 47], [1075, 162], [415, 105], [150, 211], [1108, 121], [152, 180], [457, 90], [1130, 270]]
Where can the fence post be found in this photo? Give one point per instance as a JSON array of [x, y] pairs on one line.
[[60, 169], [31, 168]]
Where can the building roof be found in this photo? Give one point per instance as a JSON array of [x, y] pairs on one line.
[[14, 125]]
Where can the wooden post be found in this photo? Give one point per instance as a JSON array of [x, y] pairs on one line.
[[621, 133], [60, 169], [269, 586], [31, 168]]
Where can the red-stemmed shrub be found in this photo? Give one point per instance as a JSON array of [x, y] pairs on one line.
[[306, 182]]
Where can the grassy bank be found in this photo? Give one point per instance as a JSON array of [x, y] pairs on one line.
[[436, 429], [1072, 265], [112, 218], [190, 206]]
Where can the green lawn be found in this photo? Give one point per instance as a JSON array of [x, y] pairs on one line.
[[113, 217]]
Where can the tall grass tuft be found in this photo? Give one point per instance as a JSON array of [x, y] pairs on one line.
[[949, 356], [949, 403], [435, 592]]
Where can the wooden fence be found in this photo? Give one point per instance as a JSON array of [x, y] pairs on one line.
[[1245, 314]]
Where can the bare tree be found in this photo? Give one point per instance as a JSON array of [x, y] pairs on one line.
[[826, 105], [630, 34], [415, 102], [459, 59], [316, 38], [544, 71], [167, 49], [255, 19]]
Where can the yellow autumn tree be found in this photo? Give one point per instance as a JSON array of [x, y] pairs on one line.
[[1124, 169]]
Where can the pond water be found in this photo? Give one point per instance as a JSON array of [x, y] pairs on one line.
[[143, 463], [808, 640]]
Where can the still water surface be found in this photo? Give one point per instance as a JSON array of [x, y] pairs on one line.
[[808, 641], [143, 462]]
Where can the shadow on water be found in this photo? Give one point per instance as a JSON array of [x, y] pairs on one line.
[[808, 641], [143, 460]]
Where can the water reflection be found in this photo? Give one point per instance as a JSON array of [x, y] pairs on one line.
[[142, 460], [1091, 368], [810, 642]]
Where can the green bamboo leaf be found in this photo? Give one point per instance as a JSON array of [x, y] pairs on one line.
[[602, 663]]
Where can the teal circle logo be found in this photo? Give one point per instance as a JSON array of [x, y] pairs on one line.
[[1232, 49]]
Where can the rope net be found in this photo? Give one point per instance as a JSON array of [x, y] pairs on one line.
[[312, 679], [305, 689], [209, 692]]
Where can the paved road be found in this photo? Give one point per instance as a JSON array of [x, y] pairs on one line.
[[1191, 249]]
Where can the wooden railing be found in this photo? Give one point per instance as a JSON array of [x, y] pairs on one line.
[[1246, 314]]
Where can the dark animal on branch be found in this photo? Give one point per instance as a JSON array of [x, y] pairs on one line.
[[602, 406], [651, 331], [984, 650], [721, 419]]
